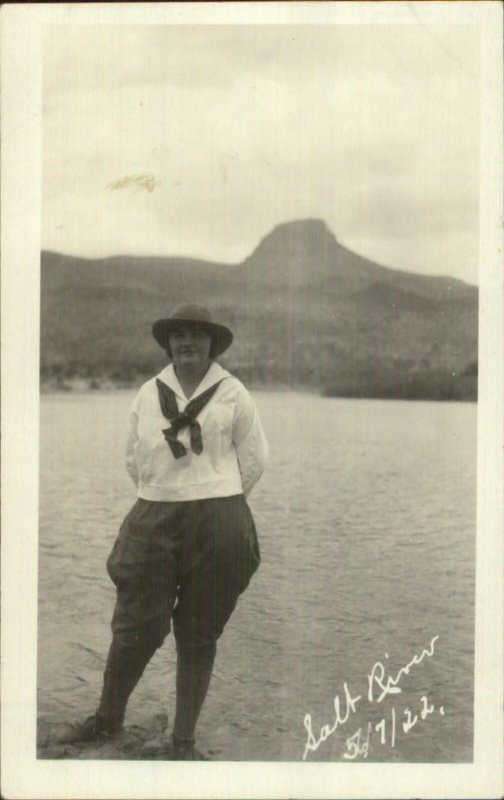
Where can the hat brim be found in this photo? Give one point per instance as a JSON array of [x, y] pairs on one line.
[[220, 335]]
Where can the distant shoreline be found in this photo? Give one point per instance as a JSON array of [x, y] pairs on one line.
[[90, 386], [106, 386]]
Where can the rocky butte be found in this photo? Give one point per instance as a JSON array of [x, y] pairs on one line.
[[308, 312]]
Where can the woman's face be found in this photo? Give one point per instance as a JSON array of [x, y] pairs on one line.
[[190, 346]]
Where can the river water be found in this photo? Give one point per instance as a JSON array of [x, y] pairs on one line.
[[366, 519]]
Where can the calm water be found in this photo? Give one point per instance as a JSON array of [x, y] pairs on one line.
[[366, 518]]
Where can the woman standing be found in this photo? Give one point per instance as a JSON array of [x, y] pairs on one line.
[[188, 548]]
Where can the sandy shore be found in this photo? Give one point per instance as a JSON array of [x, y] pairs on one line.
[[148, 741]]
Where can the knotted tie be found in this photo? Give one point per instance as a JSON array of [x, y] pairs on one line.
[[184, 419]]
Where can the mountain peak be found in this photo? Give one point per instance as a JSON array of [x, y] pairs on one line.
[[309, 228], [296, 241], [315, 223]]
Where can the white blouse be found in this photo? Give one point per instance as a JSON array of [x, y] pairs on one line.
[[235, 448]]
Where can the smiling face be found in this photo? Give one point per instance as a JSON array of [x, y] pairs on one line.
[[190, 347]]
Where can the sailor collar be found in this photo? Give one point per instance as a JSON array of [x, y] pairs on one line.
[[213, 375]]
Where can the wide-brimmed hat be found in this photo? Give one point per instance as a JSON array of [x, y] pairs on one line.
[[195, 314]]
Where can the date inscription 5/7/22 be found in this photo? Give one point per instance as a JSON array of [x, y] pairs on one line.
[[358, 744]]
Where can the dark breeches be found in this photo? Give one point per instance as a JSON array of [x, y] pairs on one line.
[[187, 562]]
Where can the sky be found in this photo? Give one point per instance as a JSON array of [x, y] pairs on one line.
[[198, 140]]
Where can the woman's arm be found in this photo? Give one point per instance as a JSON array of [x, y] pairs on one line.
[[132, 439], [250, 442]]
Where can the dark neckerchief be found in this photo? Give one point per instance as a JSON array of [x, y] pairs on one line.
[[184, 419]]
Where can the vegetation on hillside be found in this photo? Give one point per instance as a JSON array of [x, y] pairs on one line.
[[306, 312]]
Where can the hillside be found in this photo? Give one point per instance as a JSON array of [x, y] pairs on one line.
[[306, 311]]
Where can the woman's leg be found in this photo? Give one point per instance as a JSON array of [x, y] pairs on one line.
[[219, 556], [124, 668], [194, 672], [142, 566]]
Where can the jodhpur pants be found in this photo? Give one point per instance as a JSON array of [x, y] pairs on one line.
[[184, 561]]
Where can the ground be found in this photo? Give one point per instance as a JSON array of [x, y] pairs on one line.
[[148, 741]]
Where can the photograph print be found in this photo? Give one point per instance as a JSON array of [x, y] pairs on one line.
[[258, 392]]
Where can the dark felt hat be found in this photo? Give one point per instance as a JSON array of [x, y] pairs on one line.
[[194, 314]]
